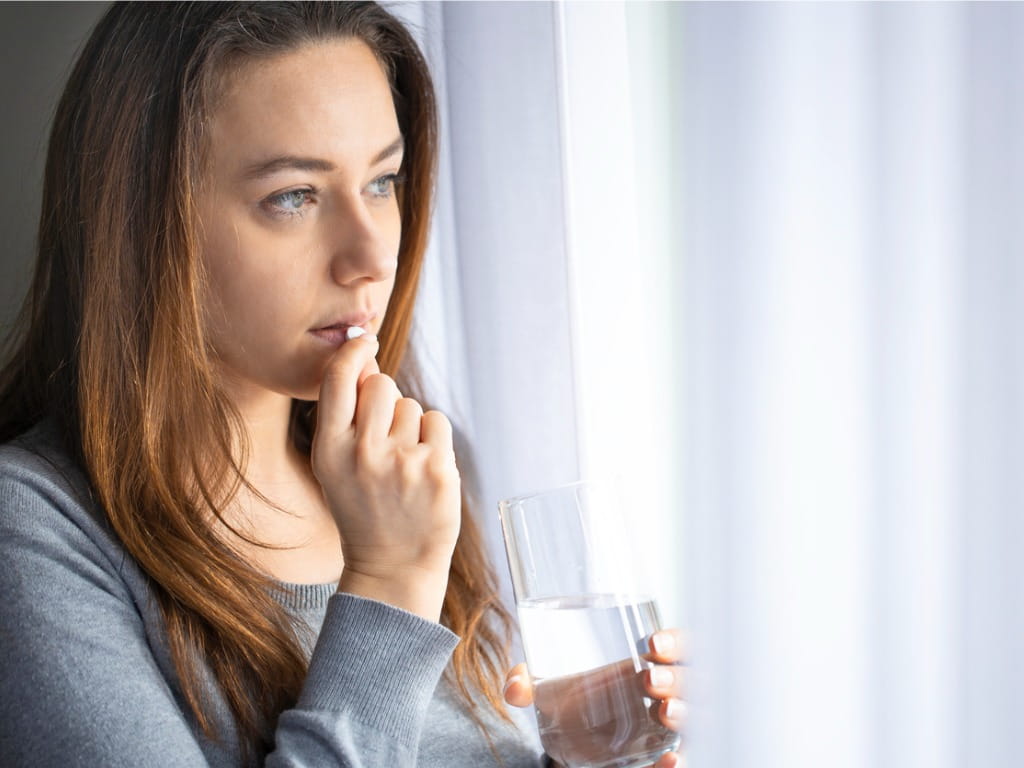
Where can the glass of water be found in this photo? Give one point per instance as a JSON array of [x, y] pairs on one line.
[[585, 620]]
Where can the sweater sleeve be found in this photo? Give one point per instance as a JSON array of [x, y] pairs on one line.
[[81, 685], [367, 692]]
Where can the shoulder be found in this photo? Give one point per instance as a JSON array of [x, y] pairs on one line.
[[63, 565], [36, 463], [83, 643], [46, 508]]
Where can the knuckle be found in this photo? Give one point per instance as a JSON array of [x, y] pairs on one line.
[[409, 468], [410, 404], [378, 381], [440, 468], [364, 453], [437, 419]]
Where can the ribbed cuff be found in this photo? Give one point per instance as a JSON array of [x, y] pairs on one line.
[[377, 663]]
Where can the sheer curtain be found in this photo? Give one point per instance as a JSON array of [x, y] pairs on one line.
[[763, 258], [852, 249], [493, 328], [536, 315]]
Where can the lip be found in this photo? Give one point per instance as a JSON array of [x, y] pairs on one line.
[[335, 332]]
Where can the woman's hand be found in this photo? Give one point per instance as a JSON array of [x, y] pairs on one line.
[[388, 474], [663, 682]]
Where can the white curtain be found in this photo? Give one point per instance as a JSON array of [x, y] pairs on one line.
[[853, 244], [493, 327], [547, 335], [764, 258]]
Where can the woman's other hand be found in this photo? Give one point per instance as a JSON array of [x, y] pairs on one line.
[[388, 474], [663, 682]]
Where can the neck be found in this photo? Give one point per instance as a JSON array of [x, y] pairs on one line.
[[292, 515], [271, 457]]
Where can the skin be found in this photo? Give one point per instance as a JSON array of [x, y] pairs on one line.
[[292, 249]]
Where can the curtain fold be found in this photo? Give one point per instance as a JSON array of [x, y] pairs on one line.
[[841, 274], [852, 243]]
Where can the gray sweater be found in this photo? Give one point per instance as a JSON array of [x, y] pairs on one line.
[[86, 677]]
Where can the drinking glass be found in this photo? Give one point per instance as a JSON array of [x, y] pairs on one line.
[[585, 621]]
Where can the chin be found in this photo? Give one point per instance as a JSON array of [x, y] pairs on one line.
[[307, 389], [308, 394]]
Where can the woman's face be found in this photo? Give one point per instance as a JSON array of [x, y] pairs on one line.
[[300, 225]]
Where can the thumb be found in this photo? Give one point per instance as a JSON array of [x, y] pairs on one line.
[[519, 686], [342, 378]]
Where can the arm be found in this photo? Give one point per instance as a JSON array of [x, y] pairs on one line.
[[367, 693], [82, 684]]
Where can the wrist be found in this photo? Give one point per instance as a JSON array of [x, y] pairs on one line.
[[416, 590]]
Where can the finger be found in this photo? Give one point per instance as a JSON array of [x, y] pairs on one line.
[[405, 428], [351, 364], [663, 682], [519, 687], [670, 760], [375, 408], [436, 430], [667, 646], [672, 712]]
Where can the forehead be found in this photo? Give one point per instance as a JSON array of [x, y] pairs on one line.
[[329, 99]]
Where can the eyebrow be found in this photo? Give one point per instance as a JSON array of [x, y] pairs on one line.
[[299, 163]]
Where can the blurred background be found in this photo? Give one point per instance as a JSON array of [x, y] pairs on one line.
[[763, 263]]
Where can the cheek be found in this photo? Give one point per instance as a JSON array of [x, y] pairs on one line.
[[246, 288], [245, 263]]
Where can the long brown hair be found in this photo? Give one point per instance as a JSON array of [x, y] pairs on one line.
[[112, 347]]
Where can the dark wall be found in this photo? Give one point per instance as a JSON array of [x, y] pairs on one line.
[[38, 43]]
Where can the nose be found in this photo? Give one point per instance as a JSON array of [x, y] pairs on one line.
[[363, 243]]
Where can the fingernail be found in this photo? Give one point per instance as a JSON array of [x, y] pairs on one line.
[[674, 709], [663, 643], [661, 677], [515, 679]]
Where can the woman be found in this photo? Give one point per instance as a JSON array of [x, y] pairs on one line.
[[229, 539]]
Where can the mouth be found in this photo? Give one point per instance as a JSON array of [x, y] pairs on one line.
[[337, 333]]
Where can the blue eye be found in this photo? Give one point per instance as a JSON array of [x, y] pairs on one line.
[[290, 203], [384, 186]]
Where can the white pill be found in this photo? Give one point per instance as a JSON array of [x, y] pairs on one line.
[[354, 332]]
